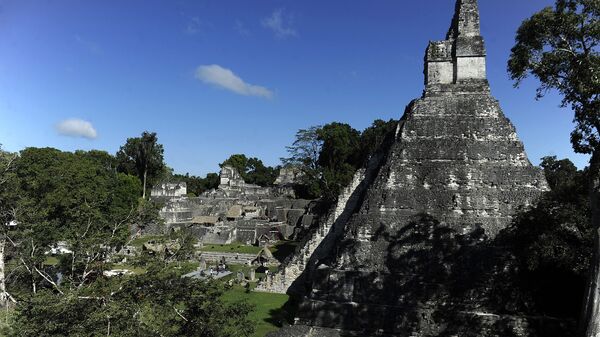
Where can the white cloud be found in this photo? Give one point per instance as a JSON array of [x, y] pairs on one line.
[[277, 23], [222, 77], [76, 128]]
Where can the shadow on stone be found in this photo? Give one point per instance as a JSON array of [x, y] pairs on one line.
[[434, 282]]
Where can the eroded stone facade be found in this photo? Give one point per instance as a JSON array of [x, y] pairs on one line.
[[235, 212], [417, 255]]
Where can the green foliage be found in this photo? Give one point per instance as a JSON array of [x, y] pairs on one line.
[[339, 157], [6, 186], [374, 136], [304, 154], [211, 181], [553, 241], [196, 185], [6, 321], [142, 157], [252, 170], [78, 198], [157, 303], [186, 242], [73, 192], [81, 199], [340, 143], [259, 174], [557, 232], [176, 246], [329, 155], [148, 213], [561, 174], [238, 162], [559, 46], [232, 248]]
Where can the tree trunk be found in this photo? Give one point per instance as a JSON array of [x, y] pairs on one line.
[[590, 320], [145, 175], [3, 293]]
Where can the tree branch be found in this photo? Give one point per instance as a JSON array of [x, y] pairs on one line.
[[49, 280], [180, 315]]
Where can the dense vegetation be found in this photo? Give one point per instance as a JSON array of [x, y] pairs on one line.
[[559, 46], [84, 201], [252, 170], [196, 185], [553, 241], [329, 155], [142, 156], [156, 303]]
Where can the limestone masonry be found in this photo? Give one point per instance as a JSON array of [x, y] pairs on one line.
[[236, 211], [400, 263]]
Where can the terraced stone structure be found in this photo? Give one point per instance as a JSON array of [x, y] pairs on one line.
[[409, 261]]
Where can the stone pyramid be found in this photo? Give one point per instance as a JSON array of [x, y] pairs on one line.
[[454, 176]]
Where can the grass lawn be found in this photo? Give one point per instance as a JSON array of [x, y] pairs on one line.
[[267, 313], [280, 250], [51, 261], [231, 248]]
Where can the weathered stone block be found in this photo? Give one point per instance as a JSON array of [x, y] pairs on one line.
[[470, 68]]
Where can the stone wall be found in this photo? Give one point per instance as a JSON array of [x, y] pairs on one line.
[[319, 242], [241, 212], [461, 57], [171, 190], [230, 258], [291, 269], [288, 176]]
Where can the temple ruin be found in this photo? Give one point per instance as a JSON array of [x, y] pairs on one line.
[[402, 254], [236, 211]]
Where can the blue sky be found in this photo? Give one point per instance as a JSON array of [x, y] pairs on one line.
[[214, 78]]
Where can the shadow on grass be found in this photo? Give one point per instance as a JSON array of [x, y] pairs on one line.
[[283, 316]]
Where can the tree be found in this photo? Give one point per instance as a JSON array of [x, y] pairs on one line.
[[211, 181], [157, 303], [238, 162], [143, 157], [329, 155], [7, 215], [79, 198], [373, 137], [559, 46], [74, 198], [304, 154], [252, 170], [196, 185], [553, 241], [339, 157], [259, 174]]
